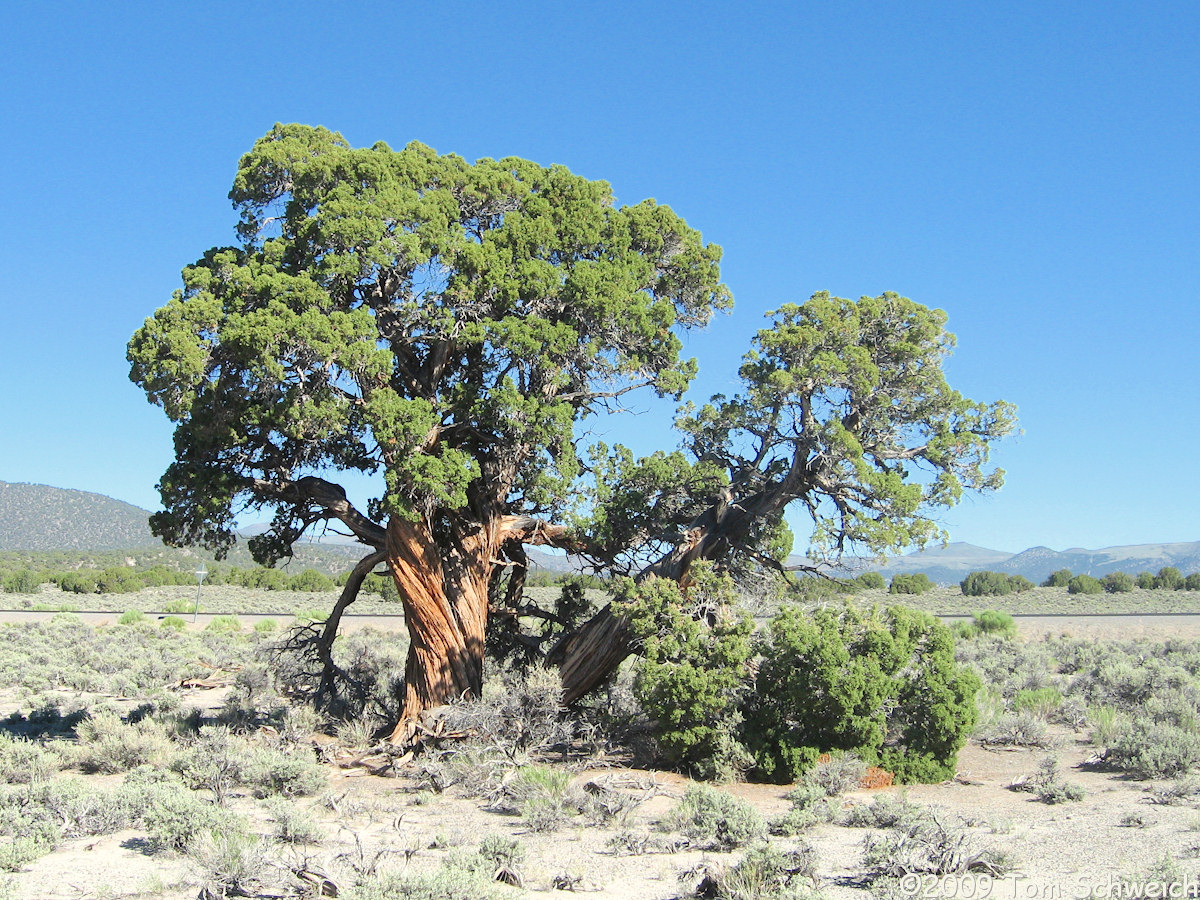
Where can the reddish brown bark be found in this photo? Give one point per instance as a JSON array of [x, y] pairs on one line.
[[445, 619]]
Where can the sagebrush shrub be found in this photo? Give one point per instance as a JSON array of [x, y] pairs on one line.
[[882, 684], [176, 818], [109, 745], [811, 805], [764, 873], [928, 846], [714, 820], [1159, 750], [23, 762]]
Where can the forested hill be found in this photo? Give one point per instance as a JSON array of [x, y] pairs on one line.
[[39, 517]]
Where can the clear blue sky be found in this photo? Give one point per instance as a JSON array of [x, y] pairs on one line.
[[1031, 168]]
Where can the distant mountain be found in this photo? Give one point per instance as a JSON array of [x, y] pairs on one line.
[[39, 517], [99, 531], [953, 562]]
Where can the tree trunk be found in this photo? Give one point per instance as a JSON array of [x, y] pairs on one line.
[[441, 663], [592, 655]]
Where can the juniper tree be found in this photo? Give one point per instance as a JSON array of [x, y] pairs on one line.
[[445, 326]]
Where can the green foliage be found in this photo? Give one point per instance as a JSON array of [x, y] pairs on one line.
[[1192, 582], [1060, 578], [22, 581], [884, 685], [223, 624], [994, 584], [695, 651], [986, 584], [765, 873], [173, 622], [23, 762], [1145, 580], [714, 820], [866, 379], [382, 584], [1084, 584], [177, 818], [131, 617], [1158, 750], [1043, 701], [871, 581], [910, 583], [1117, 583], [1168, 579], [405, 294], [311, 580], [995, 623]]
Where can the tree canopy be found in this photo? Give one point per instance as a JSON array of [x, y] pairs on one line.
[[447, 325]]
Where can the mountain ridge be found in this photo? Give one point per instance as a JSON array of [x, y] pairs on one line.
[[38, 517]]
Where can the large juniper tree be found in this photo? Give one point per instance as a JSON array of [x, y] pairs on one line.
[[446, 325]]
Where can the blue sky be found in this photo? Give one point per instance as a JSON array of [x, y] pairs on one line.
[[1030, 168]]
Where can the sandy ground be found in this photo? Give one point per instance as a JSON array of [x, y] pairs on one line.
[[1061, 851]]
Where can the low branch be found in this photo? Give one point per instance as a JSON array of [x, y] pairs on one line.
[[331, 497]]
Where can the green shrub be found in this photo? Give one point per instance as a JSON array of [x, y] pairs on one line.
[[1117, 582], [871, 581], [224, 624], [265, 626], [1061, 578], [811, 805], [22, 581], [764, 873], [178, 817], [883, 685], [173, 622], [540, 793], [270, 772], [385, 586], [1084, 584], [1043, 702], [181, 605], [24, 762], [231, 863], [108, 746], [986, 584], [294, 825], [1145, 581], [305, 616], [1168, 579], [989, 622], [1160, 750], [312, 581], [690, 673], [886, 811], [714, 820], [78, 582], [910, 583], [118, 580], [131, 617], [1192, 582]]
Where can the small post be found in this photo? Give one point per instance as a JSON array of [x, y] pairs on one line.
[[200, 574]]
